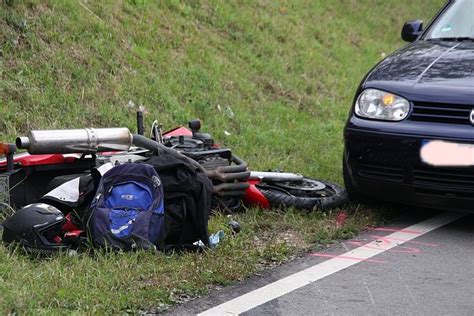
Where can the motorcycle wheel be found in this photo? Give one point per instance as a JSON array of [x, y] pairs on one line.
[[309, 194]]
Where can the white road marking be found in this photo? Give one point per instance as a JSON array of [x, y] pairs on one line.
[[295, 281]]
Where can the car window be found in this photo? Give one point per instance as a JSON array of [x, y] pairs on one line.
[[457, 21]]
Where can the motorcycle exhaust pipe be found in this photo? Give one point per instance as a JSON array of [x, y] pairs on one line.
[[276, 176], [87, 140]]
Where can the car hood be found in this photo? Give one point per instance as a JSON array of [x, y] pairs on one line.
[[445, 69]]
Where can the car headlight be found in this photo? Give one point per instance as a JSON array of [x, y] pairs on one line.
[[381, 105]]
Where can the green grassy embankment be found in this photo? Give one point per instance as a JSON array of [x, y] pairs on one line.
[[274, 80]]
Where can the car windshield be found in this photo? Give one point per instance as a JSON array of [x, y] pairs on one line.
[[456, 23]]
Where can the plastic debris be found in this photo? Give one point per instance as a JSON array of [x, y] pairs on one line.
[[214, 239], [228, 111], [199, 243]]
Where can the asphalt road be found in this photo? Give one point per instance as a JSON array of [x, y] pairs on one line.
[[407, 271]]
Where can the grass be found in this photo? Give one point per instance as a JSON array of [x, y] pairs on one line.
[[149, 282], [274, 80]]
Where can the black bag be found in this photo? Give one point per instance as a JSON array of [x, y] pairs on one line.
[[187, 194]]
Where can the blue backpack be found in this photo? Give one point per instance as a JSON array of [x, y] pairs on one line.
[[127, 211]]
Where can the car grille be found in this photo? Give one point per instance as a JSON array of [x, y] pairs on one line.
[[436, 181], [444, 181], [441, 113], [382, 172]]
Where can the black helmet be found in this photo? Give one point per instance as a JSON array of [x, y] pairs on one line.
[[35, 226]]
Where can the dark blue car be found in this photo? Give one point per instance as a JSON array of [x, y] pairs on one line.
[[410, 134]]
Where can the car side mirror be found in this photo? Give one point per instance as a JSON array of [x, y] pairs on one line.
[[411, 30]]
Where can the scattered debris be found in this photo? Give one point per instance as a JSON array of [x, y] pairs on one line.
[[234, 226], [228, 111], [215, 238], [130, 104]]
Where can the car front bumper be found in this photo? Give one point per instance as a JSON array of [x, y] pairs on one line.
[[382, 161]]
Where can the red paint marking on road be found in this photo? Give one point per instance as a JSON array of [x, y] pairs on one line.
[[404, 240], [384, 241], [356, 243], [325, 255], [408, 249], [321, 270], [400, 250], [395, 229]]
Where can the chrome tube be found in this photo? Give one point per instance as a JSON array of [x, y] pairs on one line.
[[86, 140], [275, 176]]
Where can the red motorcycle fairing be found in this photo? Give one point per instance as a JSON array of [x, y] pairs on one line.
[[47, 159], [27, 160], [253, 196], [178, 131]]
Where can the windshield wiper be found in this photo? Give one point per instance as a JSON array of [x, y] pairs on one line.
[[452, 39]]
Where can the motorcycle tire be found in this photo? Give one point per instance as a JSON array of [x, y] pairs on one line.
[[299, 196]]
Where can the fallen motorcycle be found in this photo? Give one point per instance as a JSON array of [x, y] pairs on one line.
[[56, 156], [233, 182]]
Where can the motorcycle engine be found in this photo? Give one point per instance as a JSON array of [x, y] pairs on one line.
[[201, 149]]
